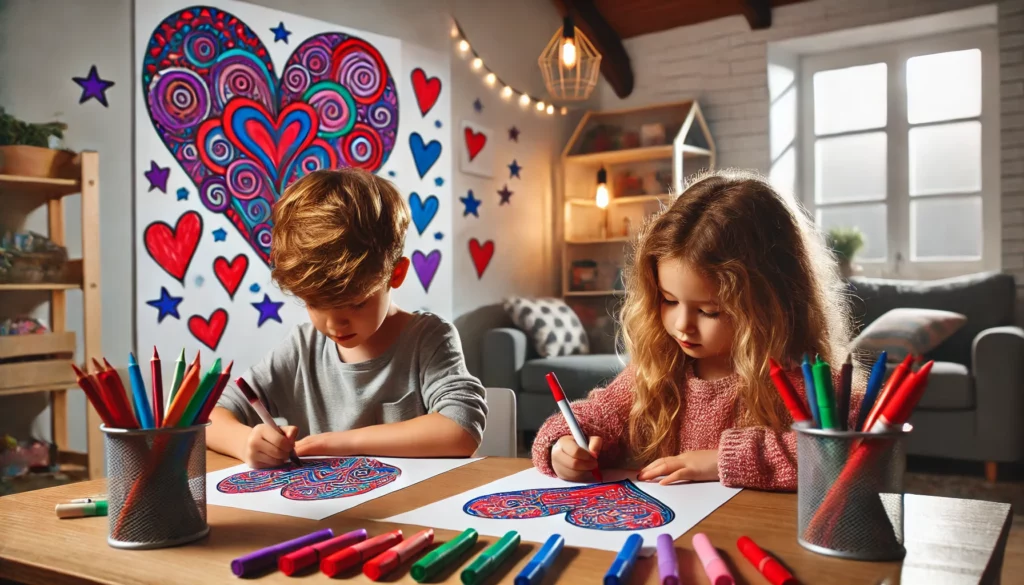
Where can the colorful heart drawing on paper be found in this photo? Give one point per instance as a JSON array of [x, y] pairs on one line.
[[476, 155], [173, 248], [424, 155], [426, 266], [230, 274], [607, 506], [427, 90], [475, 142], [481, 254], [316, 479], [423, 210], [243, 134], [209, 331]]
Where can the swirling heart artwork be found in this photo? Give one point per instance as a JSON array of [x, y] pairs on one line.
[[316, 479], [606, 506], [243, 134]]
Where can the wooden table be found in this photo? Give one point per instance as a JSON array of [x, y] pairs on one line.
[[948, 540]]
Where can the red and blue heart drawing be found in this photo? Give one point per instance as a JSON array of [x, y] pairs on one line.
[[316, 479], [243, 134], [607, 506]]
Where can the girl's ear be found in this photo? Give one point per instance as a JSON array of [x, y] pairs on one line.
[[400, 272]]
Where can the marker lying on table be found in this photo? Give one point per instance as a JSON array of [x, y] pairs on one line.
[[668, 561], [439, 558], [622, 566], [713, 564], [772, 569], [389, 560], [490, 559], [308, 556], [81, 509], [534, 571], [261, 410], [267, 557], [358, 553], [570, 419]]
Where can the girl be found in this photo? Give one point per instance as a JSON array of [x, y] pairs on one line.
[[727, 276]]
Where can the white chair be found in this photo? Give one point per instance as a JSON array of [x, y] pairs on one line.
[[500, 434]]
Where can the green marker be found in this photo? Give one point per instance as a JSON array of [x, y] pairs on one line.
[[179, 375], [200, 396], [825, 392], [491, 559], [436, 560]]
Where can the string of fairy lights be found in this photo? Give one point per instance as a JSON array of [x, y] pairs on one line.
[[491, 79]]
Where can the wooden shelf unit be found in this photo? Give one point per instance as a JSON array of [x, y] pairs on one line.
[[55, 376], [588, 229]]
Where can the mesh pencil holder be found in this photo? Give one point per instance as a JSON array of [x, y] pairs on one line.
[[156, 486], [850, 492]]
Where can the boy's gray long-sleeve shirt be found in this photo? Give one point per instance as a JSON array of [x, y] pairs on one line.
[[305, 382]]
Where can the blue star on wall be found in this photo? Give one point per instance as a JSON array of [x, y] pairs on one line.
[[478, 105], [439, 181], [471, 203], [182, 194], [513, 170], [219, 235], [166, 304], [93, 87], [281, 33], [269, 310]]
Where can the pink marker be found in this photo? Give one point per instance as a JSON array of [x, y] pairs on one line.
[[570, 419], [714, 566]]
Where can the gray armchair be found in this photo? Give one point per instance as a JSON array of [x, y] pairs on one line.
[[973, 408]]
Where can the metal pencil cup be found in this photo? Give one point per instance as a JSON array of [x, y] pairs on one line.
[[156, 486], [850, 492]]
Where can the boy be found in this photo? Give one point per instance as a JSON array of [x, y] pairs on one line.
[[364, 377]]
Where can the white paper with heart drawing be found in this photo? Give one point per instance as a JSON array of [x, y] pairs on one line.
[[476, 154], [218, 137], [538, 506]]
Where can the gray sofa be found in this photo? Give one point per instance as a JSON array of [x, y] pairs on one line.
[[973, 408]]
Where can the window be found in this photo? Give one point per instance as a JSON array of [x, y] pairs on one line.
[[902, 142]]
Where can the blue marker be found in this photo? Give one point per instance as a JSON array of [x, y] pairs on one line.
[[874, 385], [139, 400], [534, 571], [809, 391], [622, 566]]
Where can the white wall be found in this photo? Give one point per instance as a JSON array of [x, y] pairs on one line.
[[44, 43]]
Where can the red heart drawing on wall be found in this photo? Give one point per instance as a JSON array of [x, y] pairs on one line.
[[172, 248], [209, 331], [475, 142], [230, 274], [426, 89], [482, 254]]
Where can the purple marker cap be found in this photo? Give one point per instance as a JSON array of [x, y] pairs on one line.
[[668, 561], [267, 557]]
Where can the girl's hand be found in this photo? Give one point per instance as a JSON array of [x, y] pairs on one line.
[[335, 443], [572, 462], [690, 466]]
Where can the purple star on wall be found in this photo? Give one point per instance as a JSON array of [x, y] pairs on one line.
[[93, 87], [505, 195], [157, 176], [269, 310], [513, 134], [478, 105]]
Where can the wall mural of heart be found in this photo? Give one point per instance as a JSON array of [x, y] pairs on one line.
[[173, 248], [481, 254], [427, 90], [241, 133], [423, 211], [425, 266], [209, 331], [230, 274]]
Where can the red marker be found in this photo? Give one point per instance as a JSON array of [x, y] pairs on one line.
[[897, 377], [570, 419], [306, 556], [788, 393], [359, 552], [897, 410], [389, 560], [766, 565]]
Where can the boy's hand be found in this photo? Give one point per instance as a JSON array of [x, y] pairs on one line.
[[334, 443], [572, 462], [266, 447], [689, 466]]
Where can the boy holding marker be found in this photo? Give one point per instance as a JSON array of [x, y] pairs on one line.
[[364, 376]]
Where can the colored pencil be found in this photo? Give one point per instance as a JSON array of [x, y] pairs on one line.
[[211, 401], [189, 385], [195, 404], [158, 388], [139, 399], [179, 375], [112, 379], [92, 393]]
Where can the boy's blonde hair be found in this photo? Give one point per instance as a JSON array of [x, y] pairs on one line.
[[337, 236], [776, 282]]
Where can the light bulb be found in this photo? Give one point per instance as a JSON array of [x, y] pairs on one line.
[[455, 31], [507, 92], [601, 197], [478, 63], [551, 109], [491, 78], [524, 100], [568, 52], [463, 45], [564, 111], [540, 106]]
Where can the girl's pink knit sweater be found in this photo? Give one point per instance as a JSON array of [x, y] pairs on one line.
[[749, 457]]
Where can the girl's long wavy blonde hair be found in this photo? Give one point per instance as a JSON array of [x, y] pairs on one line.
[[776, 282]]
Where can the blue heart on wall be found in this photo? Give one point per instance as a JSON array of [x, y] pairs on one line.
[[424, 155], [423, 211]]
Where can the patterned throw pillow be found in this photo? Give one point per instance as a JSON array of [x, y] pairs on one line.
[[550, 324], [903, 331]]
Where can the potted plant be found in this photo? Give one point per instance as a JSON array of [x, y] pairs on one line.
[[845, 243], [24, 148]]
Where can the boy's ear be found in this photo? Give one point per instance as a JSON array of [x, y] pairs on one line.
[[400, 272]]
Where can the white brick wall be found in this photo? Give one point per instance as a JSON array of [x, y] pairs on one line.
[[722, 63]]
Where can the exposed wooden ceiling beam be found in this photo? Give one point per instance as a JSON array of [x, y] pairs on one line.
[[615, 65], [758, 13]]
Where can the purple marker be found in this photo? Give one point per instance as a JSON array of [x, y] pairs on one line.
[[668, 561], [267, 557]]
